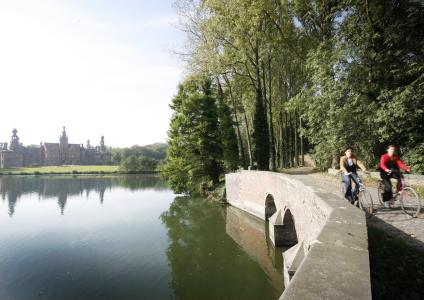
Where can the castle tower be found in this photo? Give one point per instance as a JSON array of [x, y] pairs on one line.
[[102, 144], [63, 146], [14, 141]]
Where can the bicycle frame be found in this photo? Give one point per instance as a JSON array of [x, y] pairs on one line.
[[401, 183]]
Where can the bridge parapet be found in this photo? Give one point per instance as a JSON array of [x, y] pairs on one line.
[[331, 234]]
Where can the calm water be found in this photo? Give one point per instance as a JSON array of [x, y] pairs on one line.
[[127, 237]]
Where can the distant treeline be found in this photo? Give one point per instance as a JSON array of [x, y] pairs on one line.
[[139, 158]]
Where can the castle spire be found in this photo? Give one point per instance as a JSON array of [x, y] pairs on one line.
[[64, 132], [14, 141], [63, 151], [102, 144]]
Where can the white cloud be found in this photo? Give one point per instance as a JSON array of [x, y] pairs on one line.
[[61, 66]]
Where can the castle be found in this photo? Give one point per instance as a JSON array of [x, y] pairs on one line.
[[15, 154]]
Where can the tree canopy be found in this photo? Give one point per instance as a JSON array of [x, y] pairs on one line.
[[310, 77]]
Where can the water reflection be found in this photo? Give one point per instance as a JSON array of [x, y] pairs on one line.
[[12, 188], [212, 253], [142, 243], [251, 234]]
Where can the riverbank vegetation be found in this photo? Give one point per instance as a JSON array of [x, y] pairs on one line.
[[60, 170], [139, 158], [273, 80]]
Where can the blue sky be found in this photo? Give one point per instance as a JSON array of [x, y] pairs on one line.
[[94, 66]]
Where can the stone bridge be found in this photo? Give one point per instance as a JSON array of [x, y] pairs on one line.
[[328, 258]]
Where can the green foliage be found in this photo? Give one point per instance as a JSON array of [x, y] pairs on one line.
[[139, 158], [154, 151], [260, 134], [415, 158], [364, 91], [133, 164], [194, 153], [227, 134], [312, 76]]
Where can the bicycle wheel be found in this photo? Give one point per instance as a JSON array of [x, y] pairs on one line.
[[410, 202], [365, 202], [380, 191]]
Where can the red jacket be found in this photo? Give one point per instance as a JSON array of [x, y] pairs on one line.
[[385, 159]]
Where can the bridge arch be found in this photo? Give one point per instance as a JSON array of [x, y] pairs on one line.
[[324, 230], [288, 230], [270, 207]]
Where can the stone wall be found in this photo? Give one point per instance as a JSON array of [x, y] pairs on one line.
[[330, 260], [10, 159], [32, 156], [74, 154], [51, 154]]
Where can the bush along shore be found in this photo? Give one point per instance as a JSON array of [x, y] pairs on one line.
[[71, 170]]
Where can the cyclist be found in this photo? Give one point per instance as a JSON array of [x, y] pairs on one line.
[[390, 165], [349, 164]]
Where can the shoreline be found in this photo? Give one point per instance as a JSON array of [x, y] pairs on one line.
[[77, 173]]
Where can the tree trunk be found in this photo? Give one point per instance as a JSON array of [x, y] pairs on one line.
[[271, 126], [239, 137], [281, 150], [296, 150], [260, 124], [302, 154], [249, 143]]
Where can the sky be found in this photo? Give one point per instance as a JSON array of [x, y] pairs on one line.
[[94, 66]]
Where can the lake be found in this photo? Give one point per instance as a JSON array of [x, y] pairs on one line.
[[128, 237]]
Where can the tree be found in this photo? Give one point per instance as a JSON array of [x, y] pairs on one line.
[[312, 76], [194, 153], [260, 134], [227, 133]]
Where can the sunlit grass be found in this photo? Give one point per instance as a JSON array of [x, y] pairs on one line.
[[75, 169]]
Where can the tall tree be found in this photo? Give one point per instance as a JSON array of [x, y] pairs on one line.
[[260, 134], [194, 151], [228, 135]]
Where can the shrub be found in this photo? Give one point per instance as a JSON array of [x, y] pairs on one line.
[[415, 159]]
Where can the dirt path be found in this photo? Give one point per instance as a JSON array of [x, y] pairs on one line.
[[393, 221]]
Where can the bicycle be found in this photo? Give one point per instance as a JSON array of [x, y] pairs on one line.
[[364, 201], [408, 198]]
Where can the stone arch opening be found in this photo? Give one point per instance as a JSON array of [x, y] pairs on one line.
[[270, 207], [288, 230]]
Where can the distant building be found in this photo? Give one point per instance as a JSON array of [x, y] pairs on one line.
[[15, 154]]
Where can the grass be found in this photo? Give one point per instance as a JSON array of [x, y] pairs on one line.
[[397, 270], [60, 170]]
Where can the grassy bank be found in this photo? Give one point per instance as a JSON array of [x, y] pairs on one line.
[[397, 270], [49, 170]]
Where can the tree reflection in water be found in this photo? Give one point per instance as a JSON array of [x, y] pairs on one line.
[[13, 188], [207, 263]]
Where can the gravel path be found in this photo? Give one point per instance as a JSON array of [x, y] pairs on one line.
[[393, 221]]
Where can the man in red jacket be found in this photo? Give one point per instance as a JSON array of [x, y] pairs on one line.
[[390, 165]]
